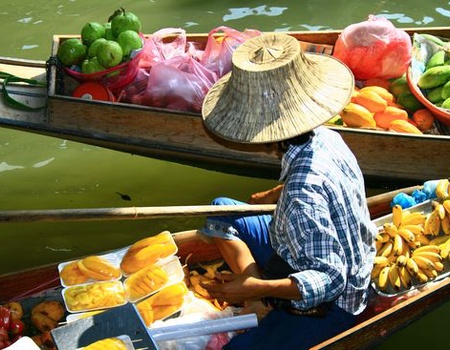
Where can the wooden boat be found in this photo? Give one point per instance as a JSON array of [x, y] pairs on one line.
[[384, 316], [181, 137]]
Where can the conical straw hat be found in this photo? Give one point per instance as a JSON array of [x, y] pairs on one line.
[[275, 91]]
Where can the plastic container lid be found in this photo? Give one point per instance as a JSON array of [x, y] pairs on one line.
[[93, 91]]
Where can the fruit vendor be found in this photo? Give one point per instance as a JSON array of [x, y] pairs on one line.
[[310, 262]]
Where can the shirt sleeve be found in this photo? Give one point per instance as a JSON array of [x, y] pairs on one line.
[[314, 246]]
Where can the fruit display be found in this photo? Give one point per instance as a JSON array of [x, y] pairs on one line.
[[11, 324], [413, 248], [148, 251], [162, 304], [388, 105], [92, 296], [88, 269], [152, 278], [102, 46], [435, 79]]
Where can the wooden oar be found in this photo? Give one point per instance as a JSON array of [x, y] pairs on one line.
[[378, 205], [131, 213]]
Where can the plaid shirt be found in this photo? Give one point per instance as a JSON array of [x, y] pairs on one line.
[[322, 226]]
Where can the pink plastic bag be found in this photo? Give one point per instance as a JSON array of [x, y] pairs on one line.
[[179, 83], [158, 48], [374, 49], [218, 51]]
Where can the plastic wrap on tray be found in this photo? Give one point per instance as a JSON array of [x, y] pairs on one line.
[[94, 296], [399, 266], [92, 268], [152, 278], [163, 304], [148, 251]]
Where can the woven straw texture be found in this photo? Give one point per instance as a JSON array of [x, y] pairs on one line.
[[275, 91]]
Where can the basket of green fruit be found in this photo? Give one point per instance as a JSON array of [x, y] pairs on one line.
[[108, 52]]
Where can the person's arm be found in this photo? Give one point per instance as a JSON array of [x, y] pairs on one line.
[[239, 288], [266, 197]]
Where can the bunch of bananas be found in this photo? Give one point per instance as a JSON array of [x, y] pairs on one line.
[[414, 246]]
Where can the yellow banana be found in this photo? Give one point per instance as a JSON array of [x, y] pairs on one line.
[[412, 266], [398, 245], [428, 248], [405, 277], [445, 224], [394, 277], [401, 260], [445, 249], [386, 249], [446, 204], [432, 256], [397, 214], [383, 278], [414, 218], [406, 234], [423, 240], [431, 274], [423, 263], [390, 229], [439, 266], [417, 229], [422, 277], [380, 261], [382, 237], [432, 224], [442, 189], [439, 240], [376, 271], [378, 245], [439, 208]]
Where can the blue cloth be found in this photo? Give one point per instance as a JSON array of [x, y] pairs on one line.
[[417, 196]]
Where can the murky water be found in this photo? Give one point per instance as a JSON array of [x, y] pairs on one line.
[[39, 172]]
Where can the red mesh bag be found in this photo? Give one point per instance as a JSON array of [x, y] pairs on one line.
[[374, 48]]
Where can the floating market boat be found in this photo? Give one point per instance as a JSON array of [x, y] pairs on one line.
[[385, 314], [181, 137]]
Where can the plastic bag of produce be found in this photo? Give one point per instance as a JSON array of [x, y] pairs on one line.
[[374, 48], [219, 49], [179, 83], [165, 44]]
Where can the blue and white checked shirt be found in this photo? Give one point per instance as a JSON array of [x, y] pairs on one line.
[[322, 226]]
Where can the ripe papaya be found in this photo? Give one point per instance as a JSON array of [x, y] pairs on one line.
[[371, 100], [404, 126], [384, 118], [357, 116]]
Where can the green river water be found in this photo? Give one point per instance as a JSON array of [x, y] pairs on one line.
[[39, 172]]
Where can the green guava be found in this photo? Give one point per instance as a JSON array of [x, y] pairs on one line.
[[109, 54], [93, 49], [91, 65], [108, 31], [71, 52], [129, 40], [92, 31], [123, 21]]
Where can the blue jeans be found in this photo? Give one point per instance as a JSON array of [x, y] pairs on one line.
[[279, 329]]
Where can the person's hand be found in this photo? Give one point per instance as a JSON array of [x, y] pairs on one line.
[[232, 288], [266, 197]]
